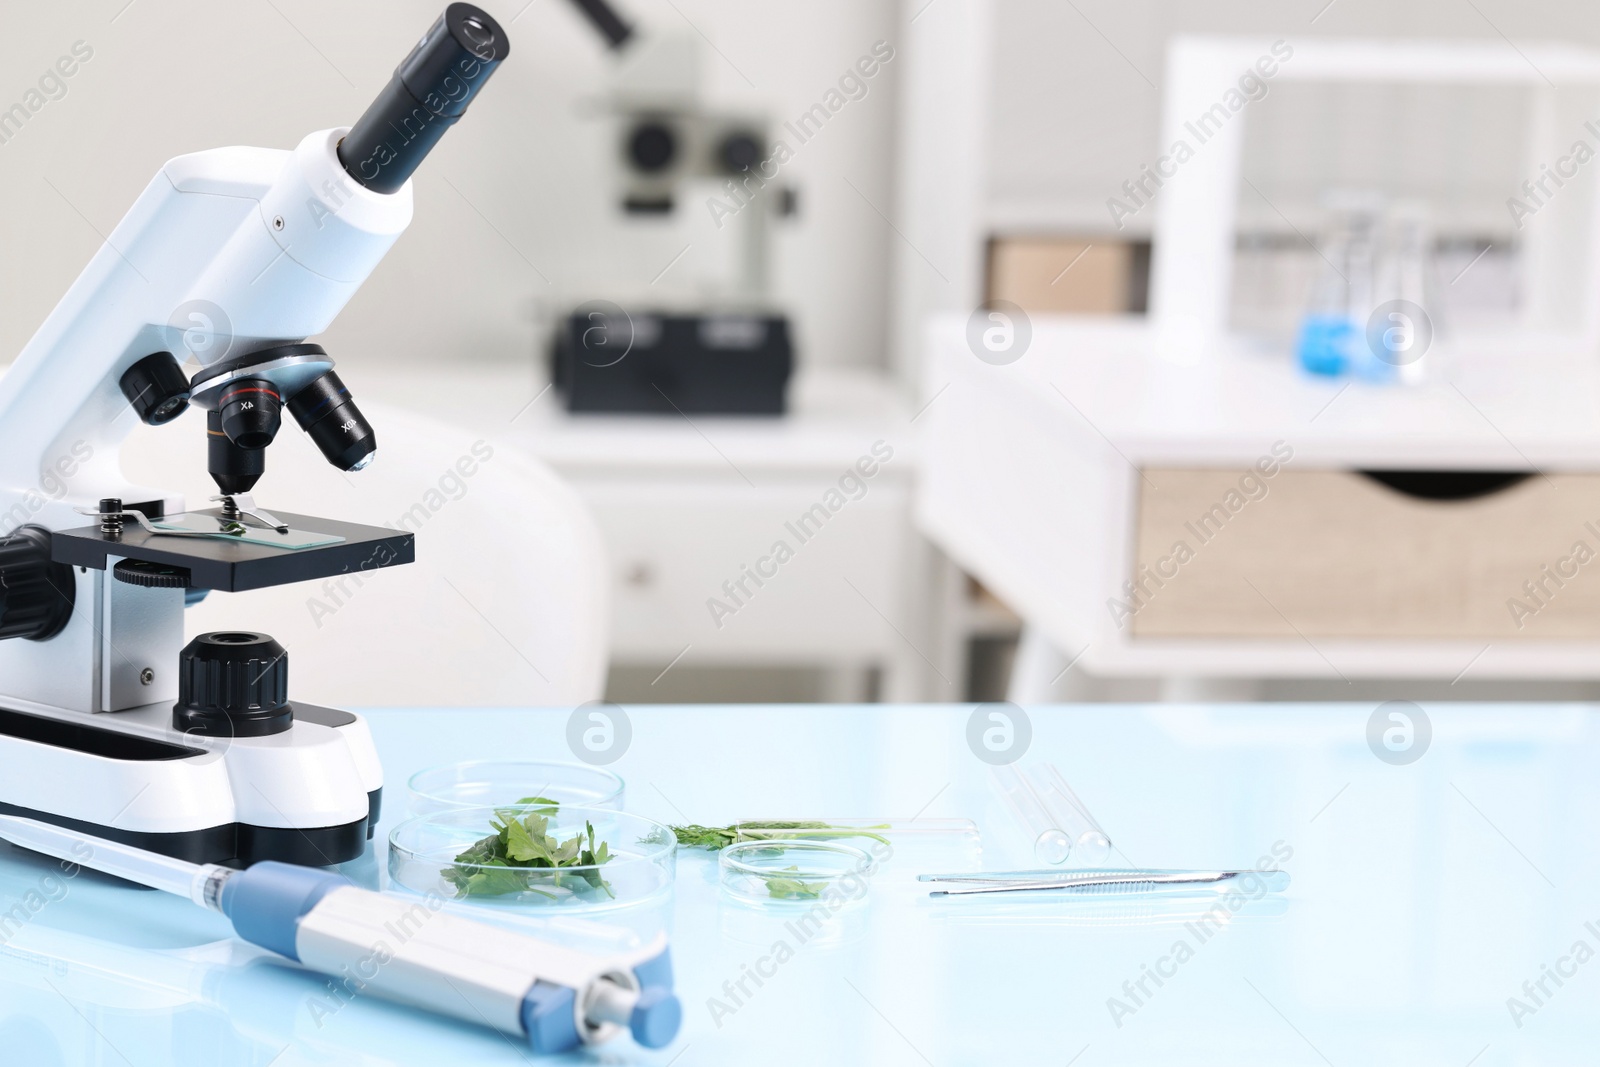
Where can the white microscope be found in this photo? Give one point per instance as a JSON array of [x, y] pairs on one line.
[[109, 723]]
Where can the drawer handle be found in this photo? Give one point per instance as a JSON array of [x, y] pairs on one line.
[[1447, 485]]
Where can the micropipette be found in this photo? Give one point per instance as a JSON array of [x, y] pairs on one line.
[[555, 997]]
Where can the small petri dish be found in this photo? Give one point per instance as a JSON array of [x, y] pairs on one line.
[[479, 783], [448, 854], [796, 872]]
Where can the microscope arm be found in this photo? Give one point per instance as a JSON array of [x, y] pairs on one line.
[[225, 253], [230, 258]]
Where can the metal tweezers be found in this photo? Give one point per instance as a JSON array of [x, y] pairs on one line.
[[1098, 881]]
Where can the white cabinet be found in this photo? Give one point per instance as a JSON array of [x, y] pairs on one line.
[[723, 568], [691, 508], [1063, 479], [762, 542]]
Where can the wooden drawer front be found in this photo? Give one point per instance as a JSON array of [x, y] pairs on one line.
[[1336, 554]]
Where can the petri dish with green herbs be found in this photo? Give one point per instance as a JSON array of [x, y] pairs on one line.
[[796, 873], [535, 856]]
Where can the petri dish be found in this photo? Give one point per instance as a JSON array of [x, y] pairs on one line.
[[478, 783], [430, 855], [796, 872]]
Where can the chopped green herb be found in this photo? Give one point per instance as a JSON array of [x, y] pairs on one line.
[[793, 888], [715, 838], [521, 856], [719, 837]]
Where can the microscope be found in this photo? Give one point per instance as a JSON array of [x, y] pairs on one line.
[[109, 723], [727, 354]]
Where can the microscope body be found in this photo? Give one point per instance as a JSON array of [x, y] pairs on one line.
[[230, 259], [225, 252]]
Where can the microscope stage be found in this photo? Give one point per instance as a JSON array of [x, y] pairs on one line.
[[236, 565]]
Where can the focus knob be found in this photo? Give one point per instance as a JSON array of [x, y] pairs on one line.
[[151, 575], [233, 684], [652, 146], [36, 594]]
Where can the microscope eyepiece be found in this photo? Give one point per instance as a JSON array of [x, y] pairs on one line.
[[329, 416], [430, 90]]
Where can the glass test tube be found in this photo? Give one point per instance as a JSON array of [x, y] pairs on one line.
[[1051, 844], [1090, 845]]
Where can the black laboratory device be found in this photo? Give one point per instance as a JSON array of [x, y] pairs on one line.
[[606, 359]]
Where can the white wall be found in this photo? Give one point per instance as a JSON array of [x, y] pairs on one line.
[[1075, 106], [530, 191]]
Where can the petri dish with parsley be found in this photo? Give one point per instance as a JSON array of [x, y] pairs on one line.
[[799, 873], [527, 856]]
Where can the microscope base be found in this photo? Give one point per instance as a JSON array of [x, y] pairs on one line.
[[309, 795]]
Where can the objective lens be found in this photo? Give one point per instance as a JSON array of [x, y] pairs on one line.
[[235, 469], [326, 412], [250, 410]]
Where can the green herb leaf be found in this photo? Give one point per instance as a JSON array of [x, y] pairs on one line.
[[522, 857], [719, 837], [521, 845], [793, 888]]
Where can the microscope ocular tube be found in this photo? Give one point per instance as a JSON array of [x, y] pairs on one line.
[[430, 90]]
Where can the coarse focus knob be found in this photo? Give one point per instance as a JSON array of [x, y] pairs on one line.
[[652, 146], [36, 594], [233, 683], [739, 152]]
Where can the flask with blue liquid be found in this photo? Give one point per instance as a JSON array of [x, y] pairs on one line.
[[1331, 338]]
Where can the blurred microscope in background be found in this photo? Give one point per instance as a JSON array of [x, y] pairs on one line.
[[728, 351]]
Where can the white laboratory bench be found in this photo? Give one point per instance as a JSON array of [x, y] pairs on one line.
[[1061, 477]]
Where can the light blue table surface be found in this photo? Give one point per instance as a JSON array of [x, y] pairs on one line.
[[1424, 896]]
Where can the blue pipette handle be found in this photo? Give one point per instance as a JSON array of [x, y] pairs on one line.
[[408, 949]]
